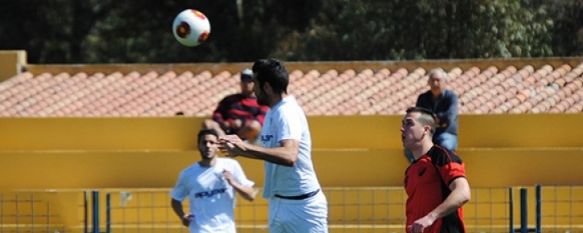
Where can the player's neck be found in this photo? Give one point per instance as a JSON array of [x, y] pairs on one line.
[[422, 149], [276, 99], [207, 162]]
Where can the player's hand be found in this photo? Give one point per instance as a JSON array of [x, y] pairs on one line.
[[420, 225], [231, 144], [229, 177], [187, 219]]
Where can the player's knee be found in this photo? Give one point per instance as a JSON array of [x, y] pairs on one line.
[[250, 130], [209, 124], [253, 125]]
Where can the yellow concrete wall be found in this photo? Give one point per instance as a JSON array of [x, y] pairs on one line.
[[338, 132], [365, 151], [521, 130], [94, 134], [483, 131], [135, 169], [11, 63], [499, 150]]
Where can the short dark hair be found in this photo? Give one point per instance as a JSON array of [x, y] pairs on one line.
[[204, 132], [427, 117], [273, 72]]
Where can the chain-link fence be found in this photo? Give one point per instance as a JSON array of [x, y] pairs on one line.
[[29, 212], [351, 209], [555, 209]]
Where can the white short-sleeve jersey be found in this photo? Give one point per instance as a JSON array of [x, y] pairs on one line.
[[287, 120], [212, 199]]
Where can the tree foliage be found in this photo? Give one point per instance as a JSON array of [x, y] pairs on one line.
[[107, 31]]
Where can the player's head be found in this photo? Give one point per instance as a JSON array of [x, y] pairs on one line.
[[247, 82], [271, 79], [437, 79], [417, 126], [207, 140]]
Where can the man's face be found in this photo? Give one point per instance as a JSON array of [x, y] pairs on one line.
[[208, 146], [436, 82], [262, 97], [412, 131], [247, 86]]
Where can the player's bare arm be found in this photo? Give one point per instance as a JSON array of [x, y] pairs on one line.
[[246, 192], [460, 194], [286, 154], [184, 218]]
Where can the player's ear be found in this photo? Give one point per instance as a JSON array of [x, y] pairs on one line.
[[426, 129]]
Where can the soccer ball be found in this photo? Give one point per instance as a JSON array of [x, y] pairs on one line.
[[191, 27]]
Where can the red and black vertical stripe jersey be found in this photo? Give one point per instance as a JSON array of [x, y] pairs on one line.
[[427, 185], [239, 106]]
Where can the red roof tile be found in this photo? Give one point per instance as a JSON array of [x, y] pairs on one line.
[[334, 92]]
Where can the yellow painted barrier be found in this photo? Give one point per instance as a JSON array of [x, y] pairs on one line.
[[348, 151], [93, 134], [335, 168], [338, 132]]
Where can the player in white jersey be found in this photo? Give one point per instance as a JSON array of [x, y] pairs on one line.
[[296, 201], [210, 185]]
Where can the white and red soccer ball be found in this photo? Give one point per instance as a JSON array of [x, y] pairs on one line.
[[191, 27]]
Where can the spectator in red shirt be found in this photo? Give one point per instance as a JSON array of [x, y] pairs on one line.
[[435, 182], [239, 113]]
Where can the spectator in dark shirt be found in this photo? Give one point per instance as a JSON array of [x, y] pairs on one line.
[[239, 113], [443, 103]]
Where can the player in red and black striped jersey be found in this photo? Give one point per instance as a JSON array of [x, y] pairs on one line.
[[239, 113], [435, 182]]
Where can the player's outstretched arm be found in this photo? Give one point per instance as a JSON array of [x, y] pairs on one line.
[[460, 194], [286, 154]]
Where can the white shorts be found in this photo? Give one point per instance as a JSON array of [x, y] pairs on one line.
[[225, 228], [299, 216]]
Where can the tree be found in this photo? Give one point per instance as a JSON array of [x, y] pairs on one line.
[[412, 29], [568, 27], [110, 31]]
